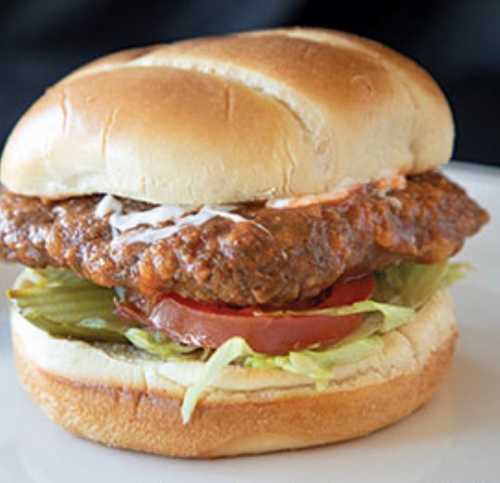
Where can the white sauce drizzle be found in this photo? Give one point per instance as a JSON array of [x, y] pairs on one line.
[[121, 223], [109, 204], [206, 213], [179, 217], [150, 217]]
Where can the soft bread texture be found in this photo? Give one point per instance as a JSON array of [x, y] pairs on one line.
[[276, 113], [126, 400]]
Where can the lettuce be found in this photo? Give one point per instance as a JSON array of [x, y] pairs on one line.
[[232, 349], [317, 364], [392, 315], [314, 364], [413, 284], [157, 344]]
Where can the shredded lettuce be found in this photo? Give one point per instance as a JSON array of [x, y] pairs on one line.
[[232, 349], [392, 315], [64, 305], [158, 344], [314, 364], [317, 364]]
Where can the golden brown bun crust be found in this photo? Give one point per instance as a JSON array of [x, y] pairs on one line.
[[128, 402], [232, 119], [296, 418]]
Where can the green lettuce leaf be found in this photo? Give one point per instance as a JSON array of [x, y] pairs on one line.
[[157, 344], [392, 315], [413, 284]]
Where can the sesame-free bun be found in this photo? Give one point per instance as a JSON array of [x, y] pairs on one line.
[[275, 113], [123, 398]]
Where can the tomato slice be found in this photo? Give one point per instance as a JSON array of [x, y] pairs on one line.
[[350, 291], [206, 325]]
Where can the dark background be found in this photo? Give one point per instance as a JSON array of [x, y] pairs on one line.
[[457, 41]]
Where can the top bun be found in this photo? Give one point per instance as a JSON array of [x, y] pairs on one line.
[[276, 113]]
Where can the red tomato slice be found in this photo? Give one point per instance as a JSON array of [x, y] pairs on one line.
[[206, 325], [349, 292]]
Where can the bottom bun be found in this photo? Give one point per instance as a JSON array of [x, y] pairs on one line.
[[122, 399]]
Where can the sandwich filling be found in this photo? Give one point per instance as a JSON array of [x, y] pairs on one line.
[[300, 288], [248, 256]]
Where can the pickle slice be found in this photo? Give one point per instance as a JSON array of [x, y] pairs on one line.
[[65, 305]]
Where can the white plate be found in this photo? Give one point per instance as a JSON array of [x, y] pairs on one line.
[[456, 438]]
